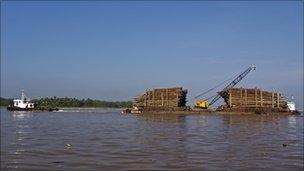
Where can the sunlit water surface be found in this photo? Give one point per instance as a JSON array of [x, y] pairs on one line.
[[105, 139]]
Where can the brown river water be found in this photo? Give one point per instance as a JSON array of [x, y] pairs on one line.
[[105, 139]]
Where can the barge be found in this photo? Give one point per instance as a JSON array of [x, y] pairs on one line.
[[237, 101]]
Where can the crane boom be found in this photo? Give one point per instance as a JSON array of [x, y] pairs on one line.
[[233, 83]]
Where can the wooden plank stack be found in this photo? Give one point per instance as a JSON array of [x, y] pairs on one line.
[[241, 97], [162, 98]]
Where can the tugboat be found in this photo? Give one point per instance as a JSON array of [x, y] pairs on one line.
[[23, 104]]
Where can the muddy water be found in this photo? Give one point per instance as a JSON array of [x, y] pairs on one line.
[[99, 139]]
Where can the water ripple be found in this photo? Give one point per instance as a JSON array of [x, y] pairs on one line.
[[105, 139]]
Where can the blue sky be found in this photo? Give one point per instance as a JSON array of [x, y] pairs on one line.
[[116, 50]]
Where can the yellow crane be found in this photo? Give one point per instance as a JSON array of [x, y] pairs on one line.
[[204, 104]]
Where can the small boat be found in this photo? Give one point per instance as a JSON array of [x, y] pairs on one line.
[[25, 104]]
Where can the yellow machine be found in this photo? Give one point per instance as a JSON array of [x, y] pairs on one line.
[[202, 104]]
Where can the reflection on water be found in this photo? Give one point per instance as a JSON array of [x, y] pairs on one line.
[[163, 118], [97, 139], [292, 122], [19, 115]]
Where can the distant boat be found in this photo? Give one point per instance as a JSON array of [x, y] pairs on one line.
[[23, 104]]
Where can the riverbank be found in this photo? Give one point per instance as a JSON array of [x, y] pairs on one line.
[[59, 102]]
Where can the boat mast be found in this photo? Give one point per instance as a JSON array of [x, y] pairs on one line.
[[22, 95]]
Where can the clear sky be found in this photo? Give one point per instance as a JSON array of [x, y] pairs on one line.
[[116, 50]]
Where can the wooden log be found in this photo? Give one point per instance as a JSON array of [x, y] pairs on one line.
[[162, 99], [256, 102], [261, 98], [167, 97], [230, 101], [241, 97], [278, 99]]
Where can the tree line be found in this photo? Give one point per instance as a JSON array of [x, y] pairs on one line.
[[72, 102]]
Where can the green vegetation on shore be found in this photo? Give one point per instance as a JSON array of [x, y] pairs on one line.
[[72, 102], [5, 101]]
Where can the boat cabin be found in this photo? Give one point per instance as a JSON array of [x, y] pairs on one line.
[[23, 104]]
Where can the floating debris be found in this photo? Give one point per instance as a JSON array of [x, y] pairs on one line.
[[68, 146], [58, 162]]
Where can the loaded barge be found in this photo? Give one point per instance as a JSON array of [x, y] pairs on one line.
[[237, 100]]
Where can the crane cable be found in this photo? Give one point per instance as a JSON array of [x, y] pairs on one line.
[[210, 97], [205, 92]]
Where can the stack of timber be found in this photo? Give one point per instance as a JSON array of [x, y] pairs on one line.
[[247, 99], [162, 99]]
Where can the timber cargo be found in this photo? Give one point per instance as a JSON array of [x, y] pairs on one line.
[[254, 99], [162, 98]]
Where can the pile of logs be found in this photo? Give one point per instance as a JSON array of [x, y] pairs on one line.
[[162, 98], [240, 97]]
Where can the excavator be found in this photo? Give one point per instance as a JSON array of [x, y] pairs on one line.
[[204, 104]]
